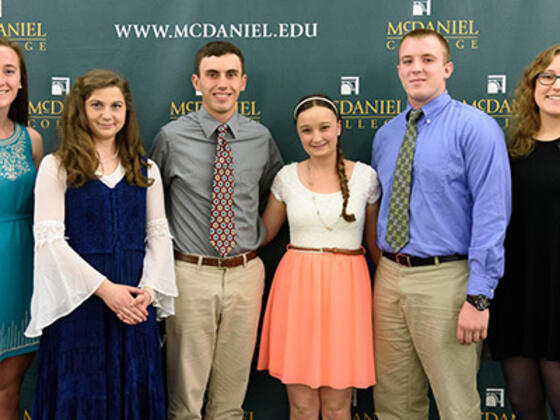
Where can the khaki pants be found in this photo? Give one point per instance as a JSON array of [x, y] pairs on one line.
[[211, 339], [415, 326]]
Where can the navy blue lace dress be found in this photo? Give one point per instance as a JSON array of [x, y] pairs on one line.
[[90, 364]]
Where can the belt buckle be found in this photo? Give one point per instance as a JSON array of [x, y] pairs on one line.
[[403, 259]]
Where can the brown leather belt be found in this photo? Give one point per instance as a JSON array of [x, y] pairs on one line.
[[411, 261], [359, 251], [215, 261]]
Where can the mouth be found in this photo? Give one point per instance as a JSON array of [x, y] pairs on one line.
[[222, 96], [105, 126], [4, 91], [553, 97]]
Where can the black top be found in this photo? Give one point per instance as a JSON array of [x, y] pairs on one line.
[[525, 313]]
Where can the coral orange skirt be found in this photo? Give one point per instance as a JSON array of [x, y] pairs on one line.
[[317, 329]]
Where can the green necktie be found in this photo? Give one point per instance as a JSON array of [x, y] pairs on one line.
[[398, 228]]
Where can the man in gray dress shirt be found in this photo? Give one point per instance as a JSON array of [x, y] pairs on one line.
[[211, 339]]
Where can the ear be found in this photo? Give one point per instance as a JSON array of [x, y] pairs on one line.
[[339, 128], [448, 69], [195, 80], [243, 83]]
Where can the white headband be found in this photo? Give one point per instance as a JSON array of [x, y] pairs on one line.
[[316, 98]]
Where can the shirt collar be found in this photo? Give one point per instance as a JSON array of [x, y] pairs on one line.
[[432, 108], [209, 123]]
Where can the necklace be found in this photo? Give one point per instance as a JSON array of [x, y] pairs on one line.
[[330, 228], [107, 161]]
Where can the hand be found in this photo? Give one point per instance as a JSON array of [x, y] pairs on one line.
[[473, 324], [120, 299], [142, 301]]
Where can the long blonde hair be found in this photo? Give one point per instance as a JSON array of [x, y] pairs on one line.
[[525, 112]]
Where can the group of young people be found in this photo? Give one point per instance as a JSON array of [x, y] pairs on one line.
[[432, 208]]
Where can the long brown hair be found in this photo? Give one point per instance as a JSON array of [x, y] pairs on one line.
[[19, 108], [77, 153], [525, 112], [326, 102]]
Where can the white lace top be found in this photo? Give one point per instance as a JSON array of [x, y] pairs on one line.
[[307, 228], [62, 280]]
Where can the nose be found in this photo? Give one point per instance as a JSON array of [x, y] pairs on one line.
[[222, 81], [316, 136], [106, 114], [416, 66]]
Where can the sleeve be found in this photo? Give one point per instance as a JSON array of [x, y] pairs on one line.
[[489, 181], [158, 272], [276, 188], [273, 165], [160, 154], [62, 280], [374, 189]]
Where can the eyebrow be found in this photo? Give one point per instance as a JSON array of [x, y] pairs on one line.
[[236, 71]]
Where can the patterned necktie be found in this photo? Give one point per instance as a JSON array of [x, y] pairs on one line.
[[222, 227], [398, 228]]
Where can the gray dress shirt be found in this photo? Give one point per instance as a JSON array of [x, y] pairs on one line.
[[184, 151]]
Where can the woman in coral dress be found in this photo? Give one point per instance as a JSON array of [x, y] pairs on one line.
[[317, 330]]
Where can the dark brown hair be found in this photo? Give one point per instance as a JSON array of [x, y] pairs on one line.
[[304, 104], [217, 49], [77, 152], [19, 108], [525, 112]]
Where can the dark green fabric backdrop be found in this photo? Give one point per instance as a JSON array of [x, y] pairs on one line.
[[292, 47]]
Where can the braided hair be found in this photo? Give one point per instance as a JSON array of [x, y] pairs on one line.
[[310, 101]]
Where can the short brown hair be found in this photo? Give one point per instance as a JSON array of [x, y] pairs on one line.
[[217, 49], [423, 32]]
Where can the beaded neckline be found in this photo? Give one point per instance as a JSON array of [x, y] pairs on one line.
[[13, 137]]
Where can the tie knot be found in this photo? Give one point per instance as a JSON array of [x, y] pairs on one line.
[[414, 115]]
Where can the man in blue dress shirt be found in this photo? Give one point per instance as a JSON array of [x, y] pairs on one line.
[[431, 295]]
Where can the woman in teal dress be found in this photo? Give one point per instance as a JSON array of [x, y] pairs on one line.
[[21, 150]]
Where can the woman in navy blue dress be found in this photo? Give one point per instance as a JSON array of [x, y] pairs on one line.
[[103, 264]]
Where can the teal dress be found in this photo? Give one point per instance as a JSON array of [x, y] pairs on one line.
[[17, 178]]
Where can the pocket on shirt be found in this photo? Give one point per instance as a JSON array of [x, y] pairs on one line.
[[247, 181], [432, 173]]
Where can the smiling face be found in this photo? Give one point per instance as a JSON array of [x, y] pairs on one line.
[[10, 76], [318, 130], [106, 113], [422, 69], [547, 98], [220, 80]]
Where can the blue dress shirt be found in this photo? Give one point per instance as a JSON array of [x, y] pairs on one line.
[[460, 200]]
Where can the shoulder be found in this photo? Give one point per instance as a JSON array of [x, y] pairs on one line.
[[34, 135], [287, 170], [472, 117], [387, 129], [50, 161], [153, 171], [254, 128], [50, 168], [364, 171], [181, 125]]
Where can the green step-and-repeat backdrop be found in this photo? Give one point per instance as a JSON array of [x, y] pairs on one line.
[[346, 49]]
